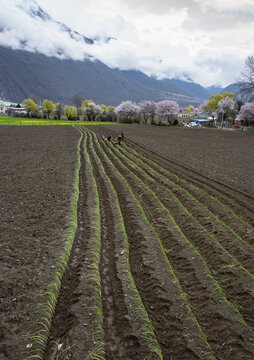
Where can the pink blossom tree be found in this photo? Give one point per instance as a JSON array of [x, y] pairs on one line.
[[246, 114], [147, 109], [91, 111], [203, 107], [167, 109], [126, 108], [226, 107]]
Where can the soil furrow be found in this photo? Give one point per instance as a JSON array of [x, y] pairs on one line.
[[119, 343], [152, 277], [220, 189], [220, 213], [65, 319], [233, 242], [239, 283], [188, 273], [242, 203], [133, 339]]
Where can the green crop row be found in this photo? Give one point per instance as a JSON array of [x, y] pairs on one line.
[[50, 296], [216, 289], [185, 183], [97, 350], [135, 307], [170, 186], [164, 263]]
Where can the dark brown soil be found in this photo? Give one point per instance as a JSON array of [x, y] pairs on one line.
[[37, 169], [223, 155], [190, 231], [209, 218]]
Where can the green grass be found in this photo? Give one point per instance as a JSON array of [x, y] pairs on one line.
[[8, 120]]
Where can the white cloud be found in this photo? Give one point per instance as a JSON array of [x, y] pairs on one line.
[[208, 39], [228, 5]]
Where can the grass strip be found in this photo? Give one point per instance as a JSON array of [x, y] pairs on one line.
[[14, 121]]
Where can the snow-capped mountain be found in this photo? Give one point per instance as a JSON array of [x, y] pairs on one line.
[[31, 7], [43, 56], [34, 10]]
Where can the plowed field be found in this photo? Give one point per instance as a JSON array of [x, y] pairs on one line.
[[159, 262]]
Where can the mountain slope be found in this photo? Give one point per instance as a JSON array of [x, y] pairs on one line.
[[23, 73], [58, 77], [214, 89], [191, 88]]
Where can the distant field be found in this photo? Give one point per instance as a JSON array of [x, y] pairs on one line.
[[7, 120]]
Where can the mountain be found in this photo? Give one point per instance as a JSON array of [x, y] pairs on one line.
[[214, 89], [23, 73], [191, 88], [58, 78], [34, 10], [244, 96]]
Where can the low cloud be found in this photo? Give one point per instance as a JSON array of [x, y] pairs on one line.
[[21, 31], [165, 39]]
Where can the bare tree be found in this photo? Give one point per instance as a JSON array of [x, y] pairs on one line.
[[247, 76], [77, 101]]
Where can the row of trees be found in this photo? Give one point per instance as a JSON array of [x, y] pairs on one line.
[[166, 109], [226, 107], [221, 106], [87, 108], [127, 110]]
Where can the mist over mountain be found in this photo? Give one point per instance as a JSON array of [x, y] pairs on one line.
[[34, 10], [23, 73], [49, 71]]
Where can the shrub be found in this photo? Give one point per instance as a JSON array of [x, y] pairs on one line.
[[126, 120]]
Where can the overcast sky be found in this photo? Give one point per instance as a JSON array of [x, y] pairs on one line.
[[208, 40]]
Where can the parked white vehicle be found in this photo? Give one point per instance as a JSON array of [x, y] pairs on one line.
[[191, 124]]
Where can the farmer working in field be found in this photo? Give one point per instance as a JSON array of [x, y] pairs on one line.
[[119, 138]]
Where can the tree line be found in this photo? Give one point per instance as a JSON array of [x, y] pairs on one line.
[[221, 106], [126, 111]]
